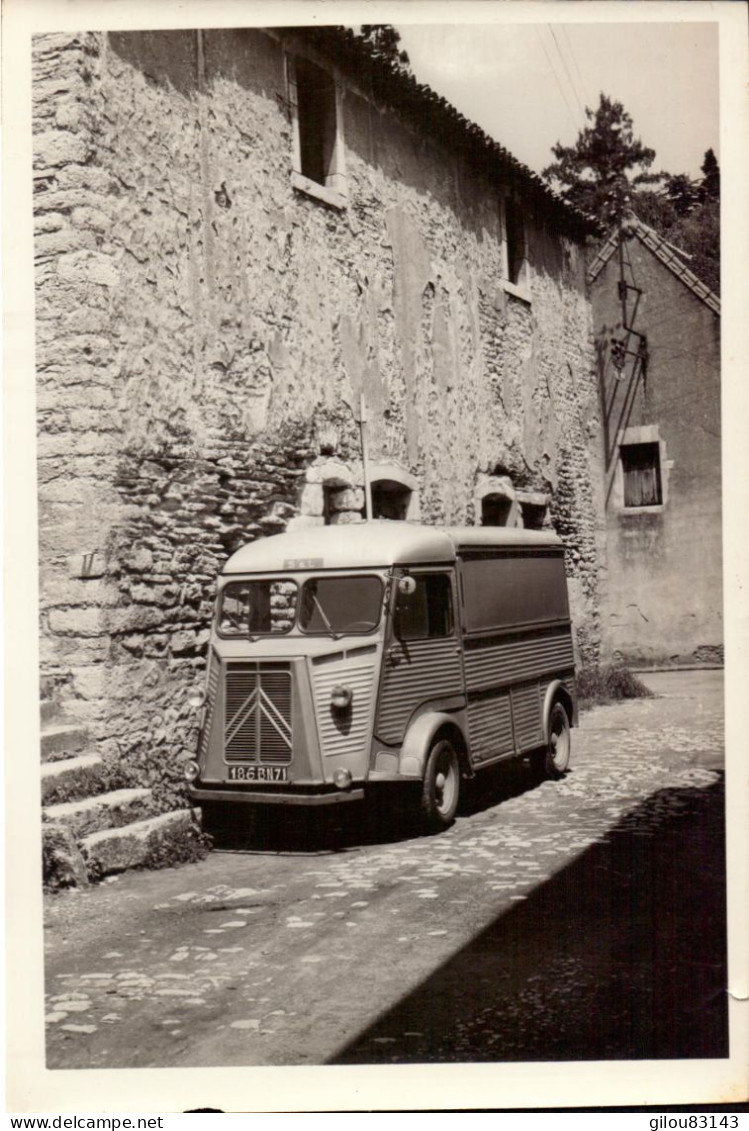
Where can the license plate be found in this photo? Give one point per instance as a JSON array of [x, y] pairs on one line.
[[258, 773]]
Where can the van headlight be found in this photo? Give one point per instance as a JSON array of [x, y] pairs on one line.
[[341, 697], [342, 778], [191, 771]]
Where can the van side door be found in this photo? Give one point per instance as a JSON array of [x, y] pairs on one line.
[[423, 663]]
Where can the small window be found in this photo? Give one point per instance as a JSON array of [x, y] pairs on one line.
[[427, 612], [316, 107], [495, 510], [515, 236], [641, 468], [390, 499], [534, 516]]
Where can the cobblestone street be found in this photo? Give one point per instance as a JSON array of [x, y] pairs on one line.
[[579, 919]]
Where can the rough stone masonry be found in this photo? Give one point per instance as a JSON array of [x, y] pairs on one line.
[[205, 328]]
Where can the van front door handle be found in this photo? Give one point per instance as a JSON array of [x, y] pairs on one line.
[[394, 656]]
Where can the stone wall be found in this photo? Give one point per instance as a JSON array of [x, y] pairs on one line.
[[662, 601], [208, 324]]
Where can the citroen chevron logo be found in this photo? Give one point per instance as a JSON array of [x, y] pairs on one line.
[[258, 706]]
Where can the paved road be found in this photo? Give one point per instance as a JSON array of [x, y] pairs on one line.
[[580, 919]]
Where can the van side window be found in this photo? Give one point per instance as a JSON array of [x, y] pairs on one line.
[[426, 612], [511, 589]]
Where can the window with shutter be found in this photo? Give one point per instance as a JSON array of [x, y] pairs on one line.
[[641, 469]]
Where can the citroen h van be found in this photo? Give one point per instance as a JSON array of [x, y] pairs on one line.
[[342, 657]]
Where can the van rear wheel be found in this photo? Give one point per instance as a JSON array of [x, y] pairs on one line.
[[554, 761], [441, 787]]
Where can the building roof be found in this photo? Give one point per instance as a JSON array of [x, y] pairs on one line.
[[437, 118], [369, 545], [662, 250]]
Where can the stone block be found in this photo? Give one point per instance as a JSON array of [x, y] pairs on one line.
[[134, 618], [62, 241], [312, 500], [89, 267], [115, 850], [76, 622], [63, 865], [331, 472], [347, 499], [183, 642], [88, 681], [59, 147], [49, 222], [70, 115], [345, 518], [138, 560]]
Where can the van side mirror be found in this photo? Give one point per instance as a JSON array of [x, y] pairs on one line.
[[406, 586]]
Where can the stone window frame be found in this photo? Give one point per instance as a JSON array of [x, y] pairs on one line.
[[335, 190], [519, 288], [498, 486], [394, 473], [641, 434]]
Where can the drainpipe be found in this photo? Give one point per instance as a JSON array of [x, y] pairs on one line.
[[365, 458]]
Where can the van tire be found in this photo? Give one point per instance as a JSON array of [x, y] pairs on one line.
[[440, 789], [553, 762]]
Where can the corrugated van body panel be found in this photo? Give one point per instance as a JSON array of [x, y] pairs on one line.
[[490, 727], [527, 705], [350, 732], [214, 669], [498, 662], [428, 669]]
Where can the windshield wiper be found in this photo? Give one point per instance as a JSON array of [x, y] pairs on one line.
[[328, 625]]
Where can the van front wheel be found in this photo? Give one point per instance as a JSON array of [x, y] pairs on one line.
[[441, 786]]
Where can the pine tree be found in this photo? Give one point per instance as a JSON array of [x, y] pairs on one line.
[[710, 177], [599, 173]]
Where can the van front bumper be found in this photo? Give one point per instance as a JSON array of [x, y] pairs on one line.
[[244, 796]]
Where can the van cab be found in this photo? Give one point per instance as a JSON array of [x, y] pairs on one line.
[[344, 657]]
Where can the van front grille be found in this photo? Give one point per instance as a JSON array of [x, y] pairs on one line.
[[257, 715]]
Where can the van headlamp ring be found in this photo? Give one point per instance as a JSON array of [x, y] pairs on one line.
[[341, 697]]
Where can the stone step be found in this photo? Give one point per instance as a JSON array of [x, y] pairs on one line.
[[59, 740], [72, 779], [115, 850], [104, 811], [49, 710]]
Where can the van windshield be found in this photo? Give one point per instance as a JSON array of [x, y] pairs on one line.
[[255, 607], [340, 605]]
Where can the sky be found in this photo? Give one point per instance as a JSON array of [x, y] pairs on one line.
[[527, 84]]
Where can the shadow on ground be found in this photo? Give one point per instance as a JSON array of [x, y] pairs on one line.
[[621, 955], [389, 815]]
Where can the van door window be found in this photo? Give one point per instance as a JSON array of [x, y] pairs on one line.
[[428, 611]]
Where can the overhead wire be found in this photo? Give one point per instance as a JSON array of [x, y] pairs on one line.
[[573, 56], [556, 79], [567, 71]]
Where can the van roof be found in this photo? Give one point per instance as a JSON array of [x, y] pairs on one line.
[[375, 543]]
